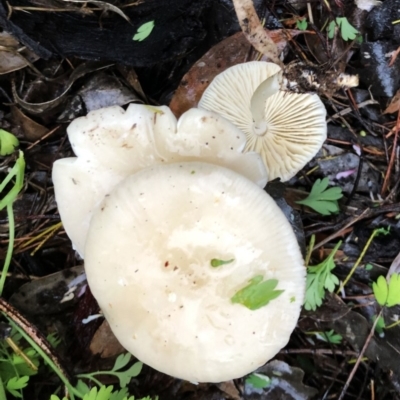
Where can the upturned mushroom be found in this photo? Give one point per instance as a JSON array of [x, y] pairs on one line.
[[286, 129], [111, 144], [196, 269]]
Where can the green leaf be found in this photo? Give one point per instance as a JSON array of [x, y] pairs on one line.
[[217, 263], [55, 397], [380, 325], [347, 30], [103, 393], [257, 293], [82, 387], [393, 297], [331, 29], [120, 394], [15, 384], [301, 24], [18, 171], [8, 143], [144, 31], [126, 376], [121, 361], [54, 339], [319, 279], [321, 199], [332, 337], [258, 381], [381, 290]]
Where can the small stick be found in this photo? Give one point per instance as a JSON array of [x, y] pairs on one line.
[[374, 233], [339, 232], [320, 352], [31, 331], [360, 356], [392, 156]]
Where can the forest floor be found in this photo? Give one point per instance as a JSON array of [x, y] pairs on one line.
[[346, 348]]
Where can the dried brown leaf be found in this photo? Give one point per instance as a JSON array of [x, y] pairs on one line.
[[105, 343], [26, 127], [13, 56], [231, 51], [39, 108], [394, 105]]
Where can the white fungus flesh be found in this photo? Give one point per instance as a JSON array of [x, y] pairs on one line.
[[148, 262], [111, 144], [286, 129]]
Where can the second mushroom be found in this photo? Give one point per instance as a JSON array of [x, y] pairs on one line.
[[287, 129]]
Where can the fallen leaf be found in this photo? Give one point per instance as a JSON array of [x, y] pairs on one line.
[[394, 104], [394, 56], [231, 51], [26, 126], [105, 343], [13, 56]]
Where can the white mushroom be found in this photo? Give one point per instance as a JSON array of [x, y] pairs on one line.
[[170, 257], [287, 129], [112, 144]]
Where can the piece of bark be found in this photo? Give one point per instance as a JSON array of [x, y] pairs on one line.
[[179, 27]]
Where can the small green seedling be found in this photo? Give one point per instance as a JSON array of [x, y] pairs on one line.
[[320, 279], [347, 31], [6, 201], [215, 262], [15, 384], [17, 364], [328, 336], [301, 24], [258, 381], [257, 293], [123, 376], [144, 31], [380, 325], [387, 294], [321, 199], [104, 393], [8, 143]]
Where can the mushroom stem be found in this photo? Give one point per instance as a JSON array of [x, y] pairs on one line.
[[254, 31], [260, 128]]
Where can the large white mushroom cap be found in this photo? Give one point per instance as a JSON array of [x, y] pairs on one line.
[[112, 143], [291, 128], [148, 260]]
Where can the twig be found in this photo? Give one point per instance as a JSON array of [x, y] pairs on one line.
[[13, 314], [360, 356], [35, 338], [320, 352], [44, 137], [339, 232], [392, 156], [348, 110], [374, 233]]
